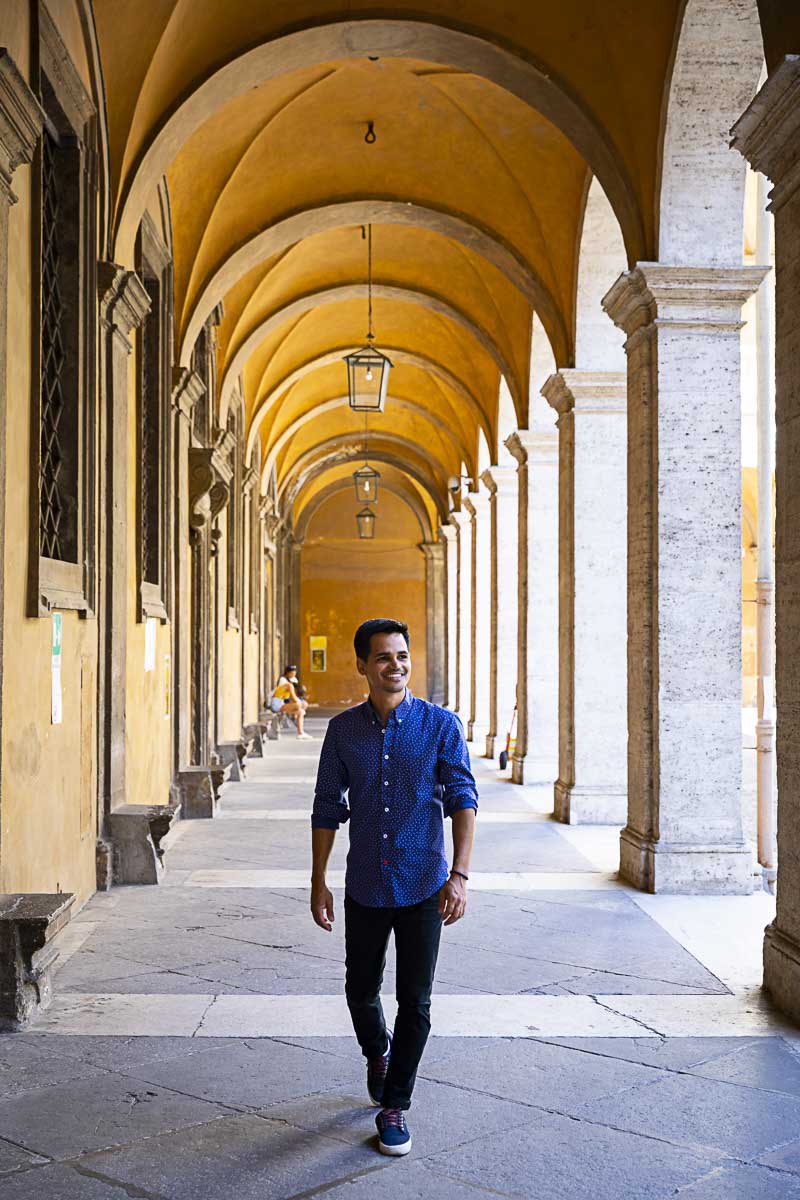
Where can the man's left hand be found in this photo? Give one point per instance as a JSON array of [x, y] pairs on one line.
[[453, 900]]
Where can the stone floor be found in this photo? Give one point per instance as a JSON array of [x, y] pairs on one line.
[[589, 1042]]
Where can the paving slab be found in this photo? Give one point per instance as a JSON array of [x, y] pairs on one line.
[[252, 1074], [700, 1113], [743, 1183], [440, 1117], [108, 1110], [553, 1156], [245, 1156], [27, 1066], [672, 1054], [538, 1073], [17, 1158], [62, 1181], [769, 1064]]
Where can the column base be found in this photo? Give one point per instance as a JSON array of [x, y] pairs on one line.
[[531, 770], [491, 738], [587, 805], [685, 869], [137, 831], [782, 971]]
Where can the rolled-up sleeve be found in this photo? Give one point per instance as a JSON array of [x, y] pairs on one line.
[[453, 769], [330, 806]]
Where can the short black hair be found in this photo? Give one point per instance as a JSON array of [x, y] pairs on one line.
[[290, 667], [363, 639]]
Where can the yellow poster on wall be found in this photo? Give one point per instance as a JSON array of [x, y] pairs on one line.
[[318, 649]]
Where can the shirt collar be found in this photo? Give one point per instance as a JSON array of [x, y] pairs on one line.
[[403, 708]]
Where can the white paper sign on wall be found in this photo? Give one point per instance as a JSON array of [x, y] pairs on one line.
[[56, 710]]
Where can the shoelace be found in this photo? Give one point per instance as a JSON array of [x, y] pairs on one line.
[[393, 1118], [379, 1066]]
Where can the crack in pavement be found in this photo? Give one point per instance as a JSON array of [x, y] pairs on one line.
[[129, 1189], [206, 1011]]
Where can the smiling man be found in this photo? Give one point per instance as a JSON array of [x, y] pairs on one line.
[[394, 767]]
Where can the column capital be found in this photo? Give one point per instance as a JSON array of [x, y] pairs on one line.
[[187, 389], [500, 479], [21, 121], [768, 131], [534, 444], [477, 504], [124, 302], [433, 551], [447, 533], [460, 518], [689, 297], [586, 391]]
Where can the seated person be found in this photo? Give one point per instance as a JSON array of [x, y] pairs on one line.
[[285, 699]]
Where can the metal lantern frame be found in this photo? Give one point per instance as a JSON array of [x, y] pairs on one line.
[[365, 520], [367, 482], [368, 366]]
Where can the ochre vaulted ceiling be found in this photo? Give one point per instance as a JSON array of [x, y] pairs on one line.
[[490, 121]]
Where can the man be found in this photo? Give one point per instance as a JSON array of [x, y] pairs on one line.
[[405, 765]]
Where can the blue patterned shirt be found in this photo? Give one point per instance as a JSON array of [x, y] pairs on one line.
[[395, 785]]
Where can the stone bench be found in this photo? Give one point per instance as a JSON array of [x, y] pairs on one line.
[[254, 738], [197, 788], [233, 755], [137, 831], [29, 923]]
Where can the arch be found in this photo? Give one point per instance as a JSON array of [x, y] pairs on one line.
[[340, 450], [282, 234], [340, 485], [534, 84], [599, 344], [311, 300], [341, 402], [700, 192], [397, 354]]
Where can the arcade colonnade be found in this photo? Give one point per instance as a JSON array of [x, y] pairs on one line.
[[183, 232]]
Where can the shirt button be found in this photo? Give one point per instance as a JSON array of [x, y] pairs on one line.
[[386, 810], [386, 835], [386, 783], [386, 756]]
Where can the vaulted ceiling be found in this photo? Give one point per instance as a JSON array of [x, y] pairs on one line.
[[490, 120]]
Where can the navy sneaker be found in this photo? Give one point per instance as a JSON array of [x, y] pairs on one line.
[[393, 1135], [376, 1074]]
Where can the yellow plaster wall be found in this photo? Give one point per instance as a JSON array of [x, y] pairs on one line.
[[148, 732], [49, 783], [344, 581]]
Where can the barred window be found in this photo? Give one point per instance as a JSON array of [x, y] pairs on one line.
[[200, 428], [63, 451], [234, 517], [153, 426]]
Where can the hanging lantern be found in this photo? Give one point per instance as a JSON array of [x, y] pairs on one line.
[[368, 369], [366, 523], [366, 483]]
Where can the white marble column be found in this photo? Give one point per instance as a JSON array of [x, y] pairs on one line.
[[449, 536], [435, 619], [684, 831], [768, 135], [462, 522], [501, 482], [535, 757], [592, 628], [477, 504]]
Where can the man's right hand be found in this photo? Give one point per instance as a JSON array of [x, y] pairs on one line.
[[322, 905]]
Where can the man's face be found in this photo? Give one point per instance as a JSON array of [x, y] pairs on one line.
[[388, 668]]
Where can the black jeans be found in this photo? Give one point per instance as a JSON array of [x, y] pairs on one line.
[[417, 930]]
